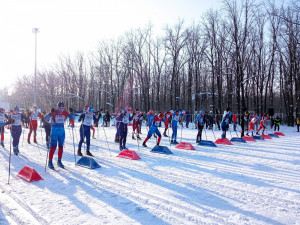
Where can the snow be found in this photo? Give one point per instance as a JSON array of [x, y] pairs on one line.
[[245, 183]]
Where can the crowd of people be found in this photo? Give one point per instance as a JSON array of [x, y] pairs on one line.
[[54, 121]]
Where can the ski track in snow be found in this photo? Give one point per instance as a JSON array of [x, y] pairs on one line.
[[246, 183]]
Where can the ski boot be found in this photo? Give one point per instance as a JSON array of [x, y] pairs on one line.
[[139, 138], [89, 153], [175, 142], [121, 148], [144, 144], [79, 152], [59, 163], [28, 141], [2, 144], [35, 141], [15, 149], [165, 135], [157, 143], [133, 138], [50, 164], [93, 137]]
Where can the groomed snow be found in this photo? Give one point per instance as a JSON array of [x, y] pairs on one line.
[[246, 183]]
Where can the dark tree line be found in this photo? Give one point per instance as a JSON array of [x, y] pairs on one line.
[[242, 55]]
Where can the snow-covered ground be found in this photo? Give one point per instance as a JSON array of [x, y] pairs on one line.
[[246, 183]]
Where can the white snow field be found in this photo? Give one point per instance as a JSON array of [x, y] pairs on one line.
[[246, 183]]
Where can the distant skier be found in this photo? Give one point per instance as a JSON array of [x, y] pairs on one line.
[[87, 119], [106, 119], [16, 128], [123, 118], [244, 122], [175, 121], [154, 129], [135, 124], [58, 133], [3, 122], [33, 116], [200, 125], [187, 118], [262, 124], [253, 120], [234, 121], [168, 119], [225, 122], [47, 126], [298, 123], [277, 123]]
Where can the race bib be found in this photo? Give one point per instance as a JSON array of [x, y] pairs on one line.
[[34, 116], [17, 119], [157, 123], [59, 119], [2, 118], [88, 120], [126, 118]]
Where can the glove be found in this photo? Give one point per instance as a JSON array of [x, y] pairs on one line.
[[71, 110]]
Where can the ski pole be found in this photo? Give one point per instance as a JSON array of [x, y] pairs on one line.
[[107, 141], [48, 148], [214, 135], [23, 137], [9, 155], [74, 146], [42, 135]]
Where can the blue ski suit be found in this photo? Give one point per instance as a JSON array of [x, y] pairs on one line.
[[175, 120]]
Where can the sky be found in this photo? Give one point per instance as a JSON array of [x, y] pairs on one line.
[[69, 26]]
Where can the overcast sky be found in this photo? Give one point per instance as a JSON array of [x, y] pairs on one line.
[[67, 26]]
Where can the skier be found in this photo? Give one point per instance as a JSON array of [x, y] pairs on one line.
[[33, 116], [135, 124], [150, 117], [175, 120], [277, 121], [106, 119], [225, 122], [187, 118], [168, 119], [262, 124], [244, 122], [234, 120], [85, 131], [58, 133], [3, 122], [200, 125], [16, 128], [298, 122], [47, 126], [217, 119], [123, 118], [154, 128], [252, 123], [72, 121]]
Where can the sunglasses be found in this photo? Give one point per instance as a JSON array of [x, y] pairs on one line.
[[61, 107]]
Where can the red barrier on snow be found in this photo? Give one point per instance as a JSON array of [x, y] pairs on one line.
[[246, 138], [128, 154], [265, 136], [279, 133], [185, 146], [29, 174], [223, 141]]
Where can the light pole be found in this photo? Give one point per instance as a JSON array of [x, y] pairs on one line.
[[35, 31]]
